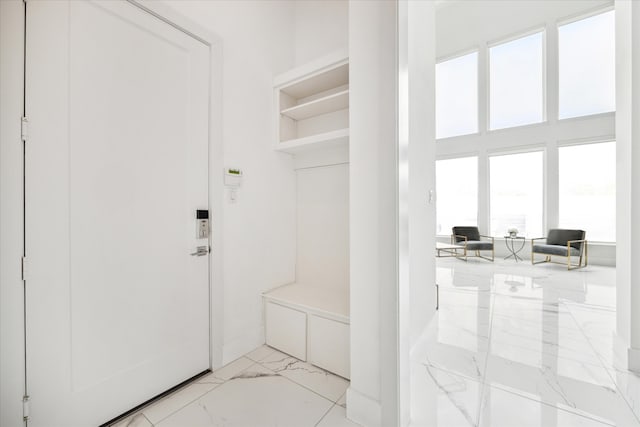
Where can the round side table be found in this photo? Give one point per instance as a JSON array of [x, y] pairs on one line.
[[510, 242]]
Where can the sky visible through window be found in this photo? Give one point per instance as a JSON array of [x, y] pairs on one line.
[[588, 189], [516, 201], [587, 66], [516, 82], [457, 190], [457, 96]]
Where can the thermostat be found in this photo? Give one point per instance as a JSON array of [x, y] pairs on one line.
[[232, 177]]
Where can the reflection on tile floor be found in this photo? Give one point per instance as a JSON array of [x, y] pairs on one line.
[[512, 345], [263, 388], [521, 345]]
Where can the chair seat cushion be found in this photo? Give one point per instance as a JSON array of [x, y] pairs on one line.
[[476, 245], [554, 250]]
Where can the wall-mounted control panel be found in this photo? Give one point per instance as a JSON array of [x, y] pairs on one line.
[[233, 177], [202, 224]]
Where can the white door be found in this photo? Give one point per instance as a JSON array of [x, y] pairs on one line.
[[116, 167]]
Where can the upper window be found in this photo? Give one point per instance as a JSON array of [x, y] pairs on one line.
[[588, 189], [457, 96], [516, 82], [516, 189], [587, 66], [457, 190]]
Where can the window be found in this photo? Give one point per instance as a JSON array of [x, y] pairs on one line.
[[457, 96], [588, 189], [587, 66], [515, 192], [457, 193], [516, 82]]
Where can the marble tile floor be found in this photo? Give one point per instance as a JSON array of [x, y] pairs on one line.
[[512, 345], [263, 388], [521, 345]]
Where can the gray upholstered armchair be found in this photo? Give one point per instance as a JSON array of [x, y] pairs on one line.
[[563, 243], [471, 240]]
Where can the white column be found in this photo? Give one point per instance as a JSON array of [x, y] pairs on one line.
[[552, 185], [373, 152], [421, 157], [484, 218], [11, 244], [627, 343], [483, 214], [418, 152], [552, 198]]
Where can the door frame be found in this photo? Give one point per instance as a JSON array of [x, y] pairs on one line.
[[12, 303]]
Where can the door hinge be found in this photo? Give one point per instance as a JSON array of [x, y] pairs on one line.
[[24, 268], [25, 407], [24, 128]]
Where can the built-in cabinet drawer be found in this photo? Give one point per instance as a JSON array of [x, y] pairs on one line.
[[286, 330], [328, 344], [320, 341]]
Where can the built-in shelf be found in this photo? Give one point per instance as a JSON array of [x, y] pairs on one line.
[[312, 106], [317, 107], [333, 139]]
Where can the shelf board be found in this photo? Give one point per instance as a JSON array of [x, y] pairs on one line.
[[326, 104], [336, 138], [336, 75]]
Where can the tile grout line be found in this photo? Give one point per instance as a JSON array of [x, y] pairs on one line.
[[302, 385], [145, 417], [325, 414], [205, 393], [604, 366], [487, 385], [486, 362], [598, 362], [551, 406]]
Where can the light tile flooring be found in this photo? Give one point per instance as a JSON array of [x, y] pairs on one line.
[[522, 345], [263, 388], [512, 345]]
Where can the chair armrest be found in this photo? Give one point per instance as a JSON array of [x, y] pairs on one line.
[[488, 237], [453, 239], [576, 241], [538, 238], [569, 242]]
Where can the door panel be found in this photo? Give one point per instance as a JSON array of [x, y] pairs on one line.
[[116, 166]]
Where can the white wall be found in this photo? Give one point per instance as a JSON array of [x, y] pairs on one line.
[[373, 152], [627, 343], [417, 215], [465, 26], [259, 232], [11, 288], [321, 27], [323, 226]]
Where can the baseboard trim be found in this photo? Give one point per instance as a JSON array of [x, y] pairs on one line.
[[621, 352], [362, 409], [633, 359]]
